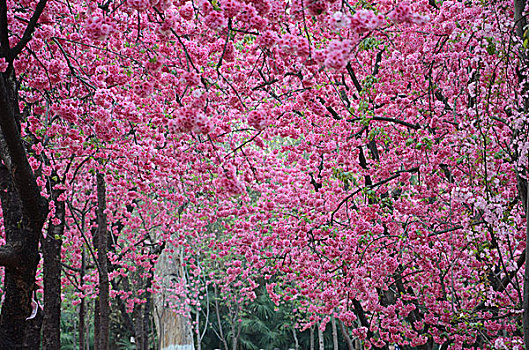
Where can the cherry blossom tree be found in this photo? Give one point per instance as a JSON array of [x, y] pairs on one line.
[[365, 161]]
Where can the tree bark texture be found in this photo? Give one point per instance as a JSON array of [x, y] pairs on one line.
[[523, 188], [23, 229], [82, 328], [51, 249], [174, 329], [321, 341], [103, 306], [23, 208], [526, 274], [334, 334], [311, 338]]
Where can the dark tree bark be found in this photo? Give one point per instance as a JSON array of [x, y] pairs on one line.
[[102, 313], [82, 327], [23, 208], [16, 332], [51, 249]]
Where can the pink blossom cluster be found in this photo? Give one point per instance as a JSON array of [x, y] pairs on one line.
[[267, 39], [366, 20], [205, 7], [362, 21], [190, 79], [229, 182], [98, 27], [340, 20], [162, 5], [192, 121], [140, 5], [143, 5], [231, 8], [143, 88], [338, 54], [215, 20], [170, 22], [187, 11], [258, 119], [294, 45], [3, 64], [249, 15], [316, 7], [67, 111], [404, 14]]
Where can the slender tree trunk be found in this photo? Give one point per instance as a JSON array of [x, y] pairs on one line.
[[334, 334], [82, 305], [51, 328], [523, 186], [217, 312], [103, 309], [147, 314], [197, 330], [311, 338], [174, 330], [97, 324], [321, 341], [526, 273], [139, 331], [295, 338], [346, 336], [51, 248]]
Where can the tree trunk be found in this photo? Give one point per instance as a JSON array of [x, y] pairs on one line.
[[321, 342], [51, 249], [334, 334], [526, 273], [174, 329], [296, 341], [103, 309], [346, 336], [24, 210], [82, 312], [522, 184], [19, 280], [311, 338], [147, 315]]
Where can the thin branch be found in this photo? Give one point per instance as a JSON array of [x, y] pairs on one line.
[[26, 37]]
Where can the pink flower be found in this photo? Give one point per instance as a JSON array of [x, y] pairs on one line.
[[267, 39], [257, 119], [316, 7], [3, 64], [231, 8], [340, 20], [294, 45], [140, 5], [187, 11], [191, 79], [98, 27], [365, 20], [404, 14], [338, 54], [215, 20]]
